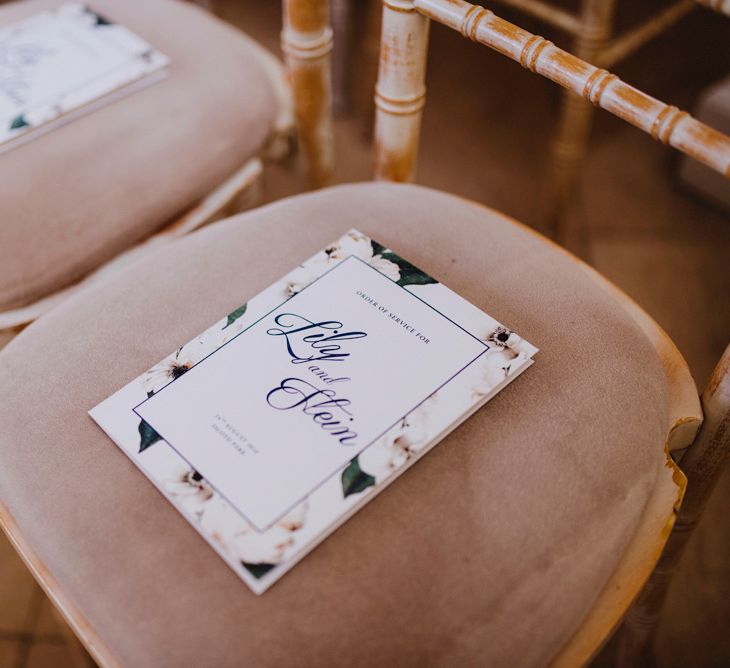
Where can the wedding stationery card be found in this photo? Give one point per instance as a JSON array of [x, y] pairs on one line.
[[271, 428], [65, 62]]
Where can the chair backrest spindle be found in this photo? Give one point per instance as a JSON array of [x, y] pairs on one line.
[[401, 90], [306, 40]]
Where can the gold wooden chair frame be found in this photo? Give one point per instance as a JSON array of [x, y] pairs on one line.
[[647, 566]]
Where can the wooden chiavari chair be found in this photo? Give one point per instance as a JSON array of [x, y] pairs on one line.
[[300, 97], [400, 96], [523, 539]]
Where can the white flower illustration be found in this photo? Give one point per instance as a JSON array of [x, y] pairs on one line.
[[188, 488], [175, 365], [246, 544], [381, 459], [301, 277], [222, 523], [494, 367], [295, 519], [268, 547], [390, 269], [502, 338], [353, 243], [397, 447]]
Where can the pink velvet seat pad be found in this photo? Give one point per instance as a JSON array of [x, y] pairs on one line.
[[490, 551], [79, 195]]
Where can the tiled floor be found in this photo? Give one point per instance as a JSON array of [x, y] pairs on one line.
[[664, 248], [30, 635]]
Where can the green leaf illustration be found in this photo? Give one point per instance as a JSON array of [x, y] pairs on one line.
[[257, 570], [19, 122], [235, 315], [377, 248], [147, 436], [409, 274], [99, 20], [355, 480]]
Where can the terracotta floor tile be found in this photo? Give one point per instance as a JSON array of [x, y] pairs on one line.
[[48, 625], [49, 655], [17, 587], [8, 653]]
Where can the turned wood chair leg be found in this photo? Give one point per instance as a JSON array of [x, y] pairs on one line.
[[702, 464], [367, 17], [307, 42], [566, 159], [341, 11], [576, 116], [77, 653]]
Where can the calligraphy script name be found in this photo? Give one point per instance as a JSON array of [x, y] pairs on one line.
[[310, 341], [324, 407]]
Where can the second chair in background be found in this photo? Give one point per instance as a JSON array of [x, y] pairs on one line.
[[109, 186], [592, 31]]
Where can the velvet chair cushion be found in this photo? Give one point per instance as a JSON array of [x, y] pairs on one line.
[[489, 551], [77, 196]]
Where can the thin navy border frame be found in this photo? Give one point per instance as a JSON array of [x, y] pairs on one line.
[[340, 468]]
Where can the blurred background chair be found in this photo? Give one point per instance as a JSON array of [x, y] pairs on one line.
[[92, 195], [401, 90], [713, 108], [592, 31]]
